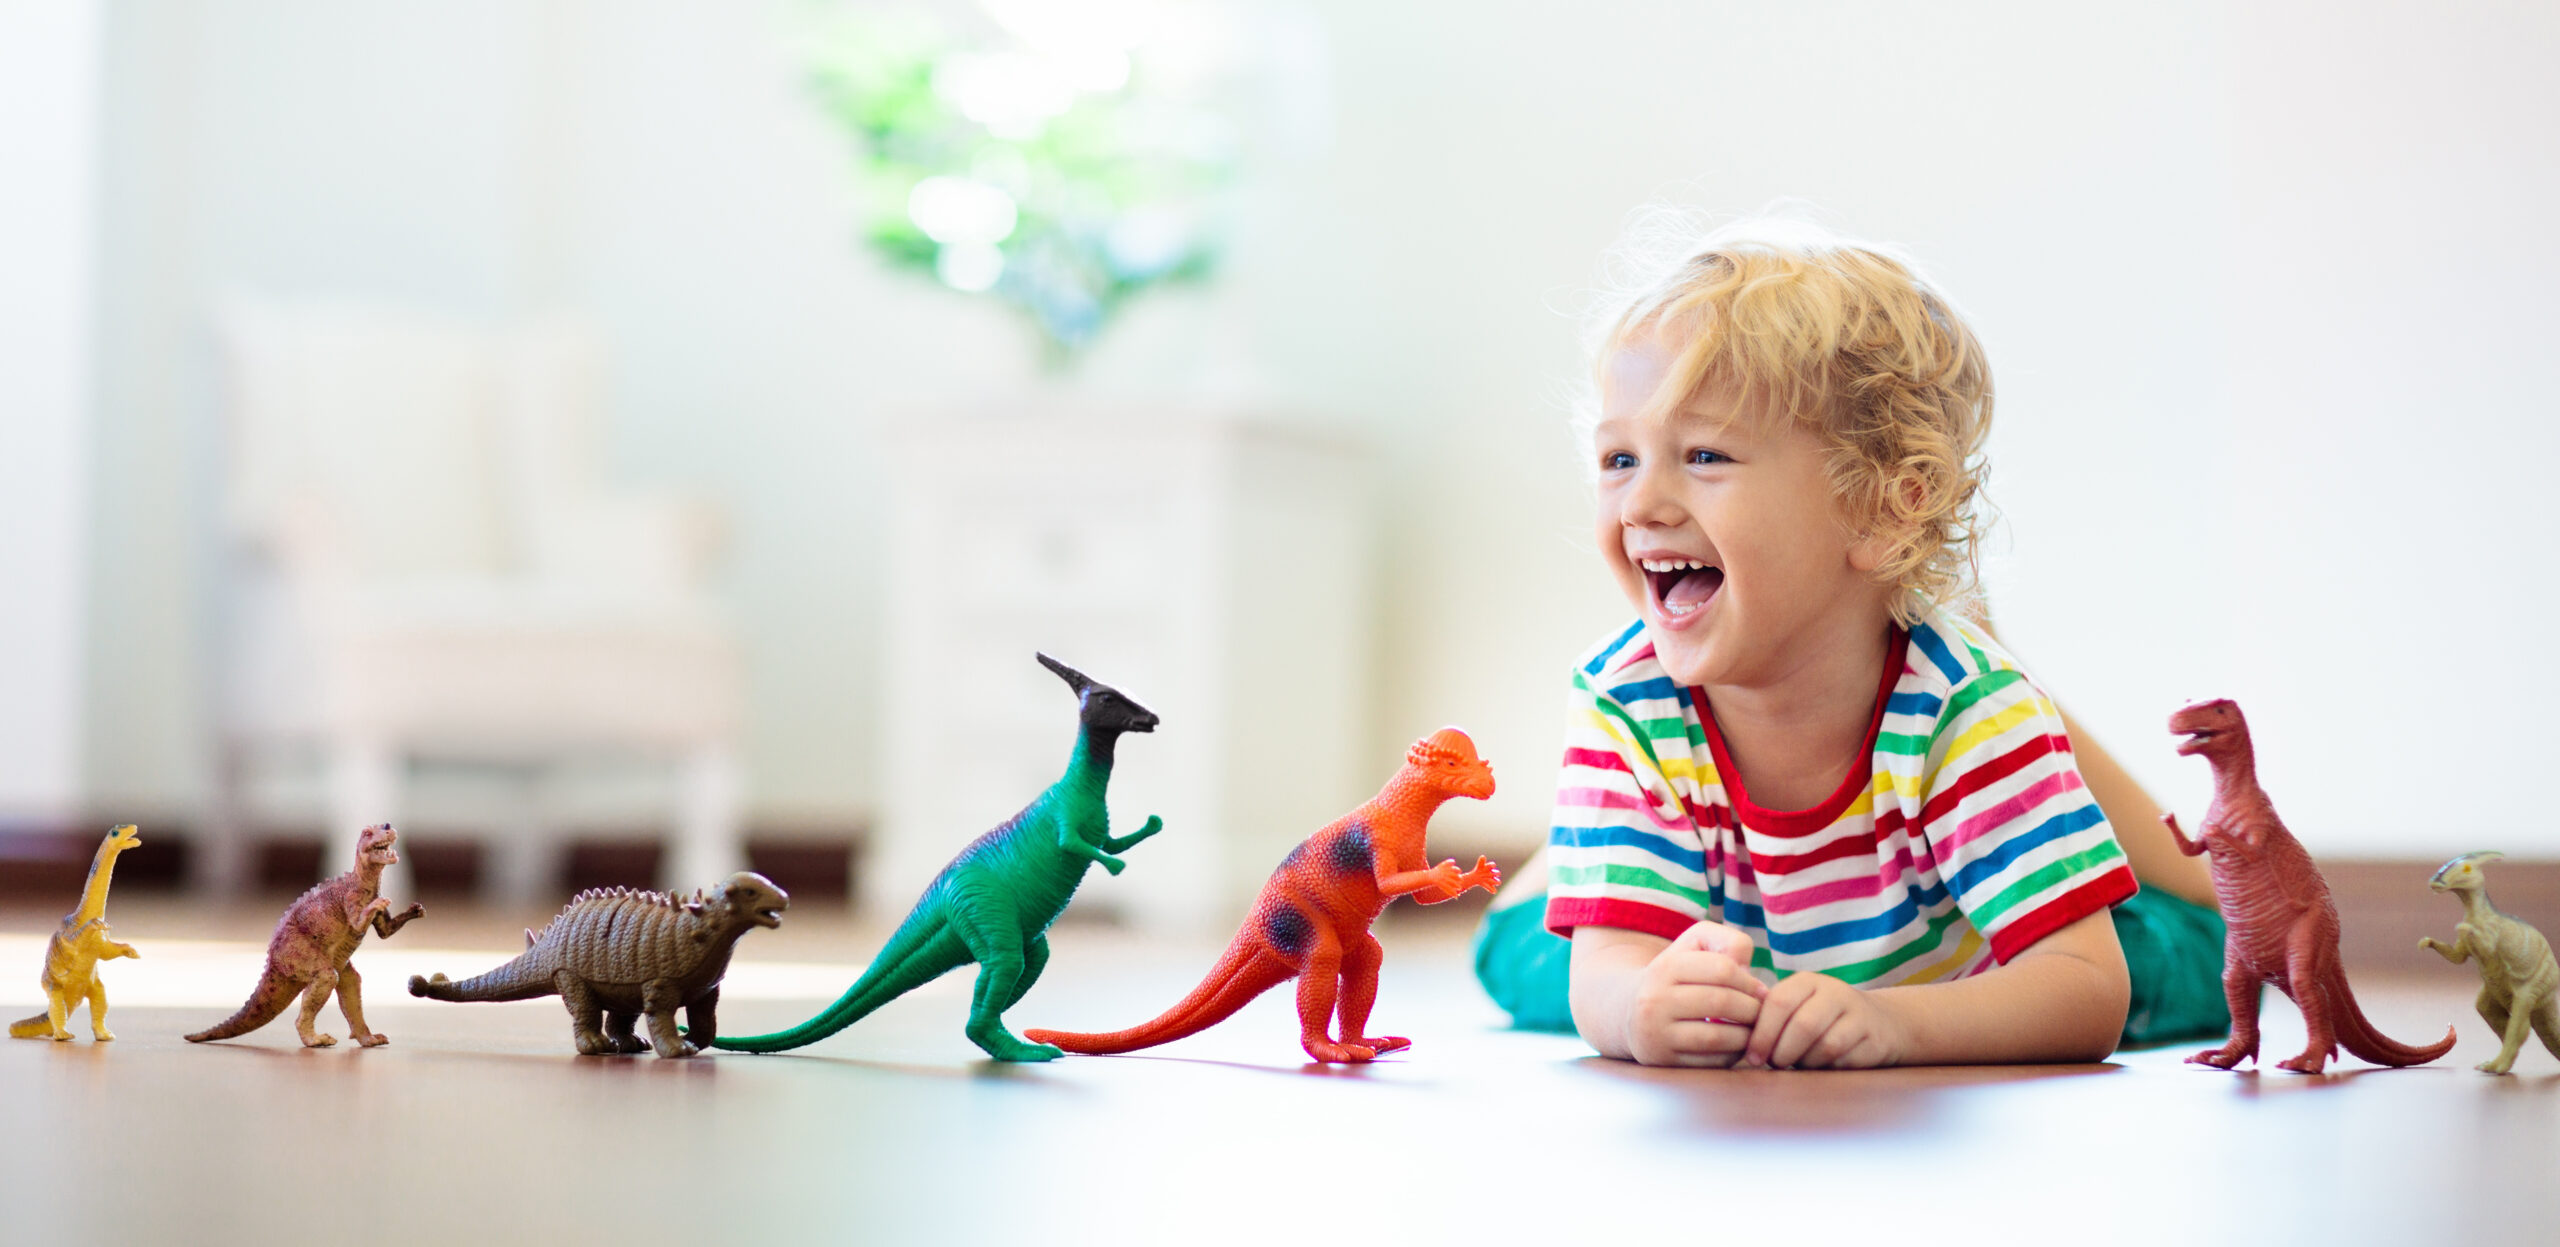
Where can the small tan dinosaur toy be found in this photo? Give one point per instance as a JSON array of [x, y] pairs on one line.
[[2519, 982], [71, 957]]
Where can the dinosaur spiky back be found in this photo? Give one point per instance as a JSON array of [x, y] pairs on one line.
[[624, 935]]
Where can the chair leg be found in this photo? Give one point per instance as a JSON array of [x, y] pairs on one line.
[[364, 789], [521, 864], [218, 866], [710, 841]]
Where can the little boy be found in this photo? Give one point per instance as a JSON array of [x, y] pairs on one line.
[[1808, 816]]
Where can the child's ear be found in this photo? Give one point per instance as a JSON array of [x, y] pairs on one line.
[[1879, 543]]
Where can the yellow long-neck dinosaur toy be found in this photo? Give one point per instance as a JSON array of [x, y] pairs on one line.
[[71, 958]]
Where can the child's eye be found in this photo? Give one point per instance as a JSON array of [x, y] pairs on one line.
[[1703, 458], [1617, 459]]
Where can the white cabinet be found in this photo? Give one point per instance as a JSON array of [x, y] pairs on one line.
[[1215, 570]]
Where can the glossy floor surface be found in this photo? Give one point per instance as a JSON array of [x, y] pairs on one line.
[[478, 1125]]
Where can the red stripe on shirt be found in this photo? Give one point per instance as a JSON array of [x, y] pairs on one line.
[[2021, 932], [1564, 913], [1597, 759], [1990, 772]]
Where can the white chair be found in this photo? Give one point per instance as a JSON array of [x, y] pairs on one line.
[[430, 565]]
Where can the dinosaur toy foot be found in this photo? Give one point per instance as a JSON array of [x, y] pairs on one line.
[[60, 1036], [2221, 1058], [2494, 1065], [1380, 1045], [1017, 1050], [371, 1041], [102, 1036], [2307, 1063], [321, 1040], [1341, 1053]]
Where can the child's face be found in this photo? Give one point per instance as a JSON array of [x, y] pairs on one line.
[[1721, 529]]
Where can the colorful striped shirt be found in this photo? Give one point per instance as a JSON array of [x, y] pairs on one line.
[[1966, 837]]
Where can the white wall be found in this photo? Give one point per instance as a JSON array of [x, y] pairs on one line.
[[2262, 290], [49, 70]]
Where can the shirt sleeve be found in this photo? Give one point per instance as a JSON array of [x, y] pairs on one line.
[[1623, 850], [2019, 840]]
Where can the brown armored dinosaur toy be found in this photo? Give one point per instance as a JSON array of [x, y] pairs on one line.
[[2284, 927], [617, 953], [309, 952], [71, 957]]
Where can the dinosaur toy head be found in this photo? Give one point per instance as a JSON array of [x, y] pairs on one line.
[[1447, 758], [373, 846], [2211, 728], [2463, 874], [755, 898], [124, 837], [1105, 709]]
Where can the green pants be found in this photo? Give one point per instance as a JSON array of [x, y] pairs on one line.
[[2172, 952]]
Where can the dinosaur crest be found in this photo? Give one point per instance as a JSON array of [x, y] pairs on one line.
[[1449, 757], [2463, 872], [1104, 708]]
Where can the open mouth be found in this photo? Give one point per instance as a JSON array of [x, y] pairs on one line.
[[2197, 739], [1680, 587], [769, 917]]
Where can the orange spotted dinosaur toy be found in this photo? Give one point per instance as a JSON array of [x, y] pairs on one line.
[[1312, 920]]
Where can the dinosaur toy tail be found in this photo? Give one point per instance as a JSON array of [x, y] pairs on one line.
[[923, 949], [273, 993], [1246, 970], [2357, 1035], [512, 981], [36, 1027]]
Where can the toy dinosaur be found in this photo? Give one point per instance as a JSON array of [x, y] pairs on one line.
[[2283, 926], [2519, 982], [1312, 919], [993, 904], [71, 957], [308, 955], [617, 953]]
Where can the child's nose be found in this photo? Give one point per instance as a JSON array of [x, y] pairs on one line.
[[1650, 499]]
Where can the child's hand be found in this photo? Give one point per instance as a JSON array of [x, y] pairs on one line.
[[1696, 1000], [1814, 1021]]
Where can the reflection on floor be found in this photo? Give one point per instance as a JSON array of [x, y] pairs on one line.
[[478, 1124]]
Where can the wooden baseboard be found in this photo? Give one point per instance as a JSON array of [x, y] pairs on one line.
[[2385, 906]]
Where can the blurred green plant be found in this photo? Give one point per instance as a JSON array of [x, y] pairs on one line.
[[1062, 168]]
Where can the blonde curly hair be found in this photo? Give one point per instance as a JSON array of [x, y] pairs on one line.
[[1849, 339]]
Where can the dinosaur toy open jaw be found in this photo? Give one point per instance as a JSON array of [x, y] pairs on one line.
[[2196, 740], [1679, 587]]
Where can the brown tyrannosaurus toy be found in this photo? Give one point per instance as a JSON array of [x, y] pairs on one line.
[[1312, 920], [309, 951], [2284, 927]]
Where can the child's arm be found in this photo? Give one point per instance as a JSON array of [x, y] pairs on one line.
[[1639, 997], [2062, 999]]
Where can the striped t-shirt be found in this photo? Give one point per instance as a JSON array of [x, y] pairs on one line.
[[1965, 838]]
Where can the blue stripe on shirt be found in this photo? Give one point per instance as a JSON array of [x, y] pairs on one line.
[[2054, 828], [1601, 660], [1935, 647], [1629, 837], [1854, 930], [1923, 704], [1655, 689]]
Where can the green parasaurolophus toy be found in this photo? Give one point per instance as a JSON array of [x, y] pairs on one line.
[[993, 904]]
